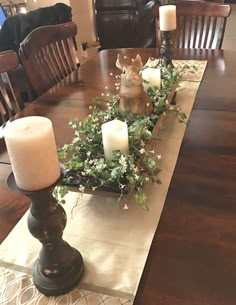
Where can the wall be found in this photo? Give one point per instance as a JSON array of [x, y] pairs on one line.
[[83, 16], [32, 5], [6, 2]]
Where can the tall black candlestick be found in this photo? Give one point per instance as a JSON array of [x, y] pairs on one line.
[[166, 48], [59, 267]]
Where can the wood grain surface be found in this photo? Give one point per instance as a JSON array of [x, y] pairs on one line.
[[192, 256], [12, 205]]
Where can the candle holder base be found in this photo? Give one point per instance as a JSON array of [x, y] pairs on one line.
[[59, 267], [59, 285]]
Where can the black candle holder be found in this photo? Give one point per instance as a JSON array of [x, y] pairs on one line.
[[59, 267], [166, 48]]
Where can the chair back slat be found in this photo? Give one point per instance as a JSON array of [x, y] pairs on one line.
[[44, 60], [73, 53], [61, 57], [200, 24], [214, 30], [5, 96], [66, 57], [207, 30], [189, 41], [183, 31], [201, 28], [176, 38], [195, 35], [3, 112], [56, 55], [54, 48], [53, 66], [10, 102], [69, 63], [43, 70]]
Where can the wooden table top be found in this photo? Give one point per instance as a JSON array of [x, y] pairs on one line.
[[12, 205], [192, 256]]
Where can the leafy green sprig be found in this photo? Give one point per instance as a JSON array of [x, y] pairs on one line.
[[127, 172]]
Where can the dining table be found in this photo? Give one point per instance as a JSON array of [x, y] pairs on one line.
[[191, 259]]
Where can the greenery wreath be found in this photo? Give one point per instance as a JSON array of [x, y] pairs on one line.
[[84, 156]]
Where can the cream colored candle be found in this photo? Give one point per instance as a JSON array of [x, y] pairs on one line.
[[167, 15], [115, 137], [32, 151], [152, 76]]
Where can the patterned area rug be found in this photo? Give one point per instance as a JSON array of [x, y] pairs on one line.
[[17, 288]]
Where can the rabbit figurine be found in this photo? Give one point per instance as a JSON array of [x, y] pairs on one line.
[[133, 98]]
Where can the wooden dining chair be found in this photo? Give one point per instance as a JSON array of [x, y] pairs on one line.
[[10, 100], [48, 55], [200, 24]]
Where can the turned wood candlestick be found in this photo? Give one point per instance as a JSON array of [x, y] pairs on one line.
[[166, 48], [59, 266]]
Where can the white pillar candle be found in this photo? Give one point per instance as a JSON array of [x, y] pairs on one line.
[[152, 76], [114, 137], [167, 16], [32, 151]]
